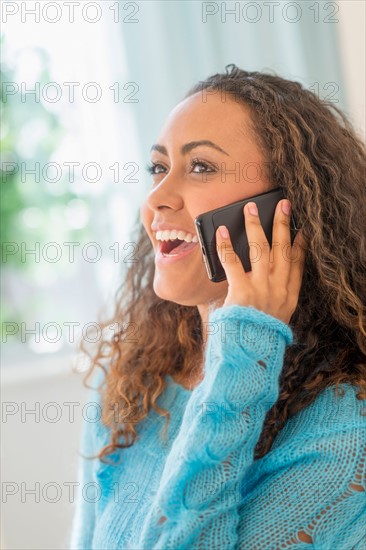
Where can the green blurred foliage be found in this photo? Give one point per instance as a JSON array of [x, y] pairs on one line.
[[18, 114], [24, 120]]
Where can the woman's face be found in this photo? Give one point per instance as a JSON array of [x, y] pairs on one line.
[[190, 179]]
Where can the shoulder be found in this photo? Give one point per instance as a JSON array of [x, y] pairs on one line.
[[94, 430], [329, 431], [311, 481], [331, 411]]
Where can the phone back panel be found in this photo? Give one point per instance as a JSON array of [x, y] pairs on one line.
[[232, 217]]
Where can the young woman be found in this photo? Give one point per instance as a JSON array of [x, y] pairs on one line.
[[260, 378]]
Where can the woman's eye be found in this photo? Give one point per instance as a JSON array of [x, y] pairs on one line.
[[197, 162], [156, 168], [151, 168]]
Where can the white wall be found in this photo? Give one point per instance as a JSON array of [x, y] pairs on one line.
[[39, 451]]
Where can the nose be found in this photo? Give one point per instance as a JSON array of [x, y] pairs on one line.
[[165, 194]]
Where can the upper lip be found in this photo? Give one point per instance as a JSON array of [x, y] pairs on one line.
[[161, 226]]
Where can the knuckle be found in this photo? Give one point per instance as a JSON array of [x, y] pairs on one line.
[[284, 221], [227, 254], [298, 255], [232, 259], [249, 218], [281, 294], [292, 307]]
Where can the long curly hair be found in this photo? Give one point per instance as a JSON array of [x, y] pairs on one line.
[[314, 154]]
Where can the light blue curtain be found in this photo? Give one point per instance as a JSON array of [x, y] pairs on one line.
[[171, 47]]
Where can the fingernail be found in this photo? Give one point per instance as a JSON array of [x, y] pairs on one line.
[[286, 207], [253, 208], [223, 231]]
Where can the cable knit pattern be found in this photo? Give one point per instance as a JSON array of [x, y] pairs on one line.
[[201, 489]]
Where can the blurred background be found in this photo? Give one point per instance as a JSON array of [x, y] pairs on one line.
[[86, 87]]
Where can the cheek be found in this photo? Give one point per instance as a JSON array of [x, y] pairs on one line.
[[146, 216], [216, 197]]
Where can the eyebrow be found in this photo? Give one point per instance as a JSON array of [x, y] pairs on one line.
[[187, 147]]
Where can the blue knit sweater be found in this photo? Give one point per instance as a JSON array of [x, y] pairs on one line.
[[200, 488]]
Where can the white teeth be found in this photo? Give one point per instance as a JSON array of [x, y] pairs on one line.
[[167, 235]]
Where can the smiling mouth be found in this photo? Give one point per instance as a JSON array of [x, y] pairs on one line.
[[173, 248]]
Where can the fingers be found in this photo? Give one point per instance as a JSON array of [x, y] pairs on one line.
[[280, 257], [280, 267], [298, 255], [259, 248], [229, 259]]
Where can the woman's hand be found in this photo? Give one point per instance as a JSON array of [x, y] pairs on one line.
[[274, 283]]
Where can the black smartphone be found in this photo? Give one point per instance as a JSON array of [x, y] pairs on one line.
[[232, 217]]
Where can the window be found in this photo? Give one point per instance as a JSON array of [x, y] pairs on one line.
[[70, 177]]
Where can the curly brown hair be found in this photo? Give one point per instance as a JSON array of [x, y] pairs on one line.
[[313, 153]]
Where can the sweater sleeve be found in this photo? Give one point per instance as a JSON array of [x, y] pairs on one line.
[[196, 505], [88, 491]]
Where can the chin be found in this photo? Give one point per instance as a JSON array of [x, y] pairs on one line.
[[172, 294], [202, 295]]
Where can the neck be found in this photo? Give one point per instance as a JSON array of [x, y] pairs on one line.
[[197, 376], [204, 311]]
